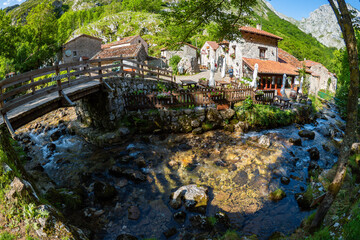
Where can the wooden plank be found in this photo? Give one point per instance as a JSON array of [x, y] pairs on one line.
[[8, 124], [67, 98]]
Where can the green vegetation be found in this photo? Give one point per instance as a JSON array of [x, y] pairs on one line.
[[263, 116], [7, 236], [173, 62], [230, 235]]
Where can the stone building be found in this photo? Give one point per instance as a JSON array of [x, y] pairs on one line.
[[83, 46], [207, 52], [321, 78], [186, 50], [127, 41]]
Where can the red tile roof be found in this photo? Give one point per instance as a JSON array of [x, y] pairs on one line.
[[83, 35], [309, 63], [288, 58], [260, 32], [213, 44], [126, 51], [271, 67], [120, 42]]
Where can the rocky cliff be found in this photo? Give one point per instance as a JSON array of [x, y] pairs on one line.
[[321, 24]]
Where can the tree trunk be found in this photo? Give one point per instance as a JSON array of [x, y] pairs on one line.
[[345, 22]]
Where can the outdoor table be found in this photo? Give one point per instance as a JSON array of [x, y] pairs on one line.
[[189, 83]]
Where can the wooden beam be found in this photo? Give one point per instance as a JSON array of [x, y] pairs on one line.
[[8, 124], [67, 98], [108, 87]]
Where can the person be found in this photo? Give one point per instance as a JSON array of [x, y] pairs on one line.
[[231, 73]]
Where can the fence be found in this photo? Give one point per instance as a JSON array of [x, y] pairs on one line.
[[187, 98]]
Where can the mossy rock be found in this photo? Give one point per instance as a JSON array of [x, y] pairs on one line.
[[277, 195], [229, 128], [69, 198], [207, 126]]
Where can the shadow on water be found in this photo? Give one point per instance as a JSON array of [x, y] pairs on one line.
[[240, 172]]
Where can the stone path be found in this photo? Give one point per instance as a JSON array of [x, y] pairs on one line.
[[202, 74]]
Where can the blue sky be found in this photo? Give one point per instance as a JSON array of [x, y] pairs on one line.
[[303, 8], [292, 8]]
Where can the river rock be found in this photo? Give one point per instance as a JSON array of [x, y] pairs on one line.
[[213, 116], [307, 134], [195, 198], [195, 123], [241, 178], [200, 222], [18, 188], [227, 114], [303, 201], [180, 217], [56, 135], [222, 222], [355, 148], [133, 213], [104, 191], [170, 232], [140, 162], [295, 141], [264, 141], [51, 147], [314, 153], [277, 195], [131, 174], [197, 131], [126, 237], [285, 180]]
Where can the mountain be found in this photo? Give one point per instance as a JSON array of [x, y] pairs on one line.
[[321, 24]]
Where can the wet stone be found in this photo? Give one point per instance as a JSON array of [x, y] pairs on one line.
[[170, 232], [285, 180], [51, 147], [221, 163], [200, 222], [241, 178], [307, 134], [104, 191], [314, 153], [133, 213], [175, 203], [295, 141], [180, 217], [126, 237]]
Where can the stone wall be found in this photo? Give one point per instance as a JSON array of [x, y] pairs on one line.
[[252, 43], [84, 46], [320, 81], [103, 110]]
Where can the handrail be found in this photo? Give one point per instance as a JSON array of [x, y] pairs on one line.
[[20, 89]]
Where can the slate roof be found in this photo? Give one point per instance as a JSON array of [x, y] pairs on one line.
[[122, 41], [126, 51], [260, 32], [83, 35], [271, 67]]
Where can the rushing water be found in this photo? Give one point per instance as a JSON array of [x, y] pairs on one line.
[[239, 170]]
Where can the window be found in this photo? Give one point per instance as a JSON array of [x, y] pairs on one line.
[[262, 52], [74, 53]]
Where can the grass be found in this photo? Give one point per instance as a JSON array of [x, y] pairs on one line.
[[316, 103], [7, 236]]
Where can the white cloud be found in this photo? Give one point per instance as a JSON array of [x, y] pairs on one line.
[[7, 3]]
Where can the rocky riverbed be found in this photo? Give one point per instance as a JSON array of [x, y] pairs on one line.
[[247, 182]]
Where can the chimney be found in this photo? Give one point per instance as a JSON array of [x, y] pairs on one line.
[[118, 38], [258, 26]]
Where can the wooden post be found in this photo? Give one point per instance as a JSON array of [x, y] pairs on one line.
[[122, 67], [142, 72], [68, 73], [32, 88], [158, 74], [2, 101], [57, 71], [137, 70], [100, 72]]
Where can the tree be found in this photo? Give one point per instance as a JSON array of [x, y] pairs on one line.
[[188, 17], [344, 19], [41, 33]]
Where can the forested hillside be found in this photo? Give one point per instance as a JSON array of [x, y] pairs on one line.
[[36, 30]]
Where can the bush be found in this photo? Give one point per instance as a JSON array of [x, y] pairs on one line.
[[173, 62]]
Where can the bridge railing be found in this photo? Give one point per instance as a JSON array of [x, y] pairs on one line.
[[29, 86]]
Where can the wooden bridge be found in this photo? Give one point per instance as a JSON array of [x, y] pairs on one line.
[[30, 95]]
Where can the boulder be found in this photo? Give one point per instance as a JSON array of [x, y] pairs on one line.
[[355, 148], [195, 198], [200, 222], [314, 153], [126, 237], [277, 195], [104, 191], [133, 213], [307, 134], [213, 116], [20, 188], [131, 174], [227, 114], [180, 217], [295, 141], [264, 141], [170, 232]]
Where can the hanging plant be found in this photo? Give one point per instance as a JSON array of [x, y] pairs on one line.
[[232, 55], [226, 49]]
